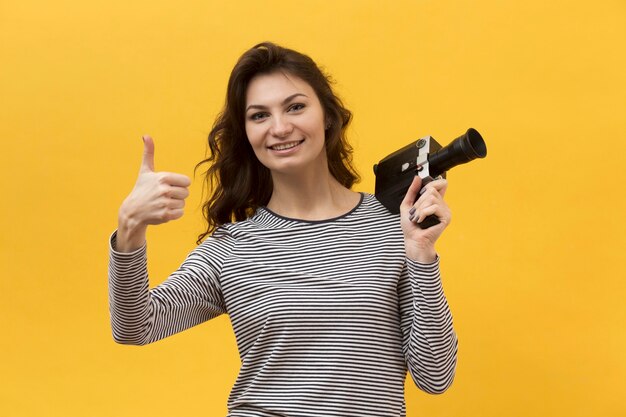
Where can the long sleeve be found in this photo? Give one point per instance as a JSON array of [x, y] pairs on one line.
[[189, 296], [327, 315], [429, 340]]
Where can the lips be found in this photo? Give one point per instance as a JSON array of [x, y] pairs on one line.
[[286, 146]]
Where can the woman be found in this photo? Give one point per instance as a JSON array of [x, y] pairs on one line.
[[331, 297]]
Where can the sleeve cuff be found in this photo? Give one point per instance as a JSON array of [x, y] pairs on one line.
[[123, 255], [435, 262], [419, 268]]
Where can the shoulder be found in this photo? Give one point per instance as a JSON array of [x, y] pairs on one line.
[[218, 246], [371, 207]]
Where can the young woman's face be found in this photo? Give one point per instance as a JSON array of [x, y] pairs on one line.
[[285, 123]]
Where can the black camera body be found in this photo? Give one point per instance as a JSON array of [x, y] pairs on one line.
[[426, 158]]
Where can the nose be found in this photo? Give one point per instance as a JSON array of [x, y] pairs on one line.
[[280, 127]]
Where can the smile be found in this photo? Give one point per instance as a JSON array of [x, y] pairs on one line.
[[285, 146]]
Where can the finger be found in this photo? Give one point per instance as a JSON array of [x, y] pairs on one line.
[[175, 214], [174, 179], [178, 193], [429, 197], [425, 212], [411, 193], [167, 214], [440, 210], [441, 185], [147, 163], [175, 204]]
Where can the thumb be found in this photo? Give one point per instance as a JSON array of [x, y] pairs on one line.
[[411, 193], [147, 164]]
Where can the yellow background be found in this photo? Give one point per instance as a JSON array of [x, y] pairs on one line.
[[533, 262]]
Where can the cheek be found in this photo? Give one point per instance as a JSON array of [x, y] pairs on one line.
[[253, 135], [318, 129], [255, 138], [318, 124]]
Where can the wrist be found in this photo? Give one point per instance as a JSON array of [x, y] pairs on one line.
[[422, 254], [131, 233]]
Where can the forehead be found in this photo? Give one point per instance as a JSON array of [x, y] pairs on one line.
[[266, 89]]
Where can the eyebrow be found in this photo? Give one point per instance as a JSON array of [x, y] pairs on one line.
[[285, 101]]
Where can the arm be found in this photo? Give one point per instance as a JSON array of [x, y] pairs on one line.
[[429, 340], [191, 295]]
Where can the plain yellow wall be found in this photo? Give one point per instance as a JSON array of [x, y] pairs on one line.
[[533, 262]]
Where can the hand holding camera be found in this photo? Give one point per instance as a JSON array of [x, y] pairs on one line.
[[420, 240], [426, 159]]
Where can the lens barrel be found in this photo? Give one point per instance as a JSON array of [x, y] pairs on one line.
[[460, 151]]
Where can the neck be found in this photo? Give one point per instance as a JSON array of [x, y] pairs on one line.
[[310, 196]]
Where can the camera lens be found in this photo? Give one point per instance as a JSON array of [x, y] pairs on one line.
[[460, 151]]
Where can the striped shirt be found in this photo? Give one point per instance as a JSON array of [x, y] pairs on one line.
[[328, 315]]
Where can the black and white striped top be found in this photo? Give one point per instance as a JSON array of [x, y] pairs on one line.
[[328, 315]]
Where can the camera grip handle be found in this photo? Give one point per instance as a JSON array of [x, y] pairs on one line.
[[430, 220]]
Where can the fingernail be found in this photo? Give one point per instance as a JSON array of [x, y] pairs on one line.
[[412, 210], [411, 217]]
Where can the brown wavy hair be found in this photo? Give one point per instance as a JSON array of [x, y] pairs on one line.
[[239, 182]]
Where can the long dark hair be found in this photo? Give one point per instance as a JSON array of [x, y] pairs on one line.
[[239, 182]]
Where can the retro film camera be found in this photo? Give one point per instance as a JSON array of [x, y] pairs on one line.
[[426, 158]]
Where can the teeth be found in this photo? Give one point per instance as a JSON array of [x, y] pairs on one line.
[[284, 146]]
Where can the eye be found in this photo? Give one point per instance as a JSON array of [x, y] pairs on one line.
[[258, 116], [296, 107]]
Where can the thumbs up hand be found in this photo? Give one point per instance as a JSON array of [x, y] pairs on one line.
[[157, 197]]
